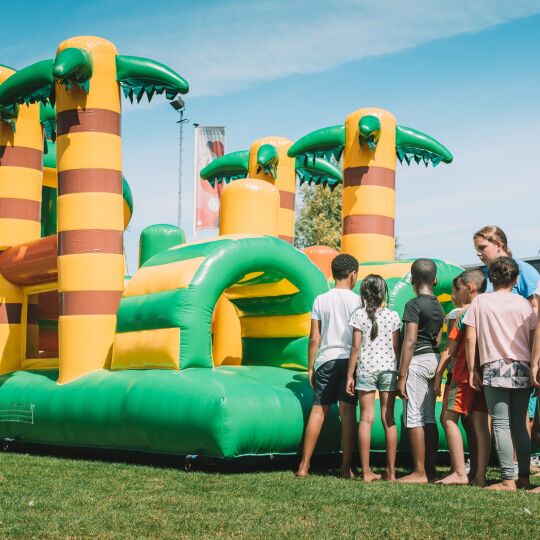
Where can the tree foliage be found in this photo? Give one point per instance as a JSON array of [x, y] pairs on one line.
[[318, 219]]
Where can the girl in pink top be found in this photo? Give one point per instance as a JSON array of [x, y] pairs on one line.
[[502, 325]]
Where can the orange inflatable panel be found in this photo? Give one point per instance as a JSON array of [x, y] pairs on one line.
[[321, 257]]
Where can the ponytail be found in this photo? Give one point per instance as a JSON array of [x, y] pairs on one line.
[[374, 293]]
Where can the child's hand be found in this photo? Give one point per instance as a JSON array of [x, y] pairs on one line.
[[349, 388], [437, 384], [402, 388], [310, 377], [534, 377], [475, 381]]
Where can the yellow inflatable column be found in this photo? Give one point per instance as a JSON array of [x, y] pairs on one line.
[[90, 213], [285, 182], [248, 206], [21, 176], [11, 298], [369, 190]]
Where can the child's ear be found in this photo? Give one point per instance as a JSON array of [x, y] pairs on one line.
[[435, 282]]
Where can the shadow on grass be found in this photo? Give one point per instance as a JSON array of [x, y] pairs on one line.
[[322, 464]]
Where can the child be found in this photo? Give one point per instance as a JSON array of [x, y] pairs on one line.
[[423, 318], [446, 363], [328, 355], [463, 401], [535, 361], [501, 323], [376, 339]]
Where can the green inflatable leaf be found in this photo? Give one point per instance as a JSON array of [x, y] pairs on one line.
[[29, 85], [135, 73]]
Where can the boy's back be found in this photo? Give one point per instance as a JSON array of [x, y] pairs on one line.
[[334, 309], [426, 311]]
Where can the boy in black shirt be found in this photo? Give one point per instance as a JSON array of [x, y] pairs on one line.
[[423, 319]]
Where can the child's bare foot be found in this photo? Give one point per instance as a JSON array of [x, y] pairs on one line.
[[301, 473], [505, 485], [389, 476], [453, 479], [535, 490], [414, 478], [523, 483], [347, 473], [371, 477], [478, 482]]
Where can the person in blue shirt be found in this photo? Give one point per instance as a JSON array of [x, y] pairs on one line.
[[490, 242]]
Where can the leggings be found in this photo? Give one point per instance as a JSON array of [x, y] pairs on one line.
[[508, 407]]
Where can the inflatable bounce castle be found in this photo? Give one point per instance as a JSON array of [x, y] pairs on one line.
[[204, 349]]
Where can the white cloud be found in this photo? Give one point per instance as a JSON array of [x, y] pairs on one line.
[[234, 45]]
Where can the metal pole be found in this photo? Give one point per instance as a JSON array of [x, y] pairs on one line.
[[180, 148]]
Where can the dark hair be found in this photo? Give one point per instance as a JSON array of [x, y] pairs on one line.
[[374, 291], [455, 281], [476, 276], [503, 271], [423, 272], [495, 235], [343, 265]]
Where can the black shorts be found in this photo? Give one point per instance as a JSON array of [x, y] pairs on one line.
[[329, 382]]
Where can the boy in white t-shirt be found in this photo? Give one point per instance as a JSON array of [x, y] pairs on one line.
[[328, 356]]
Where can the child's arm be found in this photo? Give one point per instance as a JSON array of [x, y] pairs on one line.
[[407, 350], [396, 343], [353, 359], [535, 358], [313, 347], [475, 381], [448, 353]]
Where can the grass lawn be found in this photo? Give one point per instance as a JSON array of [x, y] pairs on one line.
[[52, 497]]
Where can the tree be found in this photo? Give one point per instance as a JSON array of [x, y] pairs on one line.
[[318, 220]]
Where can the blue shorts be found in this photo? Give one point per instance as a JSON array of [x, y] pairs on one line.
[[330, 382], [383, 381]]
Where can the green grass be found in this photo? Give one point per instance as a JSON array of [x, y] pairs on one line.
[[51, 497]]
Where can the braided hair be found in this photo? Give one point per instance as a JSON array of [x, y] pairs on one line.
[[374, 292]]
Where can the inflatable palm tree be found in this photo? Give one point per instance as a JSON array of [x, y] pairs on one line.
[[370, 141], [267, 159], [84, 80]]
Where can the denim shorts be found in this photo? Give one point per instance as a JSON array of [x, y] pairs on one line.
[[383, 381]]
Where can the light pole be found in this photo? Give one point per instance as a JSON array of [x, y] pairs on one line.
[[178, 105]]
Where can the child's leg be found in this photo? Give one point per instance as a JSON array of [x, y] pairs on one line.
[[417, 390], [313, 430], [498, 402], [455, 447], [519, 401], [482, 437], [387, 401], [347, 413], [367, 415], [466, 421], [431, 431]]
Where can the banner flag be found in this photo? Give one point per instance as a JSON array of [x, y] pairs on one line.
[[209, 145]]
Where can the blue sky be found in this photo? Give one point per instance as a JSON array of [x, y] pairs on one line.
[[467, 74]]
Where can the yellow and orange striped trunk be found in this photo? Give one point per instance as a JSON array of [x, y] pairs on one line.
[[90, 213], [369, 190], [285, 181], [21, 176]]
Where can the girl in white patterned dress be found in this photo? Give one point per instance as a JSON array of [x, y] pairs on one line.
[[374, 355]]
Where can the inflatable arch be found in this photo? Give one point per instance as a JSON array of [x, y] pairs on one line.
[[165, 314]]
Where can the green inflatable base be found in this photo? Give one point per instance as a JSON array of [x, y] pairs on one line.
[[224, 412]]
